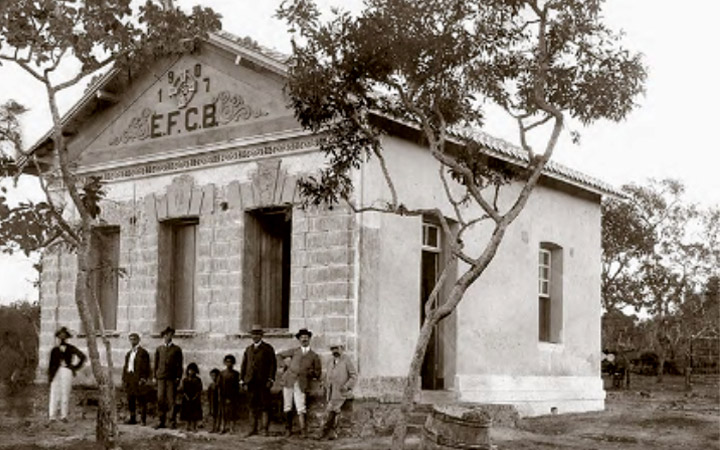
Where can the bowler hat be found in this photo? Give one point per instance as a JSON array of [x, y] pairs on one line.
[[256, 329], [167, 330], [63, 330], [303, 331]]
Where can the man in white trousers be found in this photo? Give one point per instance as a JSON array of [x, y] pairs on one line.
[[65, 360]]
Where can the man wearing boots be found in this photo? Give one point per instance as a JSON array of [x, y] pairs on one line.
[[257, 375], [135, 375], [168, 373], [304, 366], [340, 378]]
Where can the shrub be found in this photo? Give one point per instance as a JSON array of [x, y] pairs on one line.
[[19, 333]]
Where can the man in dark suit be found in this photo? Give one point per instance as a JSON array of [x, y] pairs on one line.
[[303, 365], [136, 373], [257, 374], [168, 373]]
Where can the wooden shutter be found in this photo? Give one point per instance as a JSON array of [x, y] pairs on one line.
[[266, 279], [105, 262], [183, 275]]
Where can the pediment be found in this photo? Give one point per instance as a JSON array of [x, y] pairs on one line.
[[188, 102]]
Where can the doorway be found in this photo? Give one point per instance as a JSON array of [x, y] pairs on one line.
[[266, 279], [432, 372]]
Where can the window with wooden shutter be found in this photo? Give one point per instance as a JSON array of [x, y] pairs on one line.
[[266, 268], [105, 259], [176, 274]]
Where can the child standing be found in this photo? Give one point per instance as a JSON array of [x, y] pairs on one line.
[[191, 410], [229, 382], [214, 400]]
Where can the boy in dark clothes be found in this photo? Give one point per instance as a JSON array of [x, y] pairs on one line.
[[214, 401], [191, 409], [229, 382]]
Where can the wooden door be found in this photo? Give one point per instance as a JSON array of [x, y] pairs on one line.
[[183, 275], [271, 273], [432, 373], [266, 280]]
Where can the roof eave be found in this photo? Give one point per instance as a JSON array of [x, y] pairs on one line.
[[222, 41], [89, 96], [515, 155]]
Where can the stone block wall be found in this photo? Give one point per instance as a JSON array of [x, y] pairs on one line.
[[323, 287], [323, 296]]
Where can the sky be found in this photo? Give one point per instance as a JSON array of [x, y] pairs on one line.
[[670, 134]]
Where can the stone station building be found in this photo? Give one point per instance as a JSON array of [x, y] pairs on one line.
[[201, 230]]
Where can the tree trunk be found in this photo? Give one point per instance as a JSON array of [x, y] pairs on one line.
[[106, 426], [411, 382], [661, 366]]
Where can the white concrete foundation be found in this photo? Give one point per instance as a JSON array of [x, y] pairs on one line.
[[534, 395]]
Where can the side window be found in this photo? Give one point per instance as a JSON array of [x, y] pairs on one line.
[[550, 292]]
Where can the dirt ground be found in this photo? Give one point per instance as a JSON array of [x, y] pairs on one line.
[[647, 416]]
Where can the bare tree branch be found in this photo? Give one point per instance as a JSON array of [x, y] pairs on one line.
[[448, 193], [82, 74], [25, 67]]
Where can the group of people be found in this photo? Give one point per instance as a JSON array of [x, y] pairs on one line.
[[179, 388]]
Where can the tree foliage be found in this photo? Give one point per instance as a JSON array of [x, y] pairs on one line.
[[40, 35], [19, 334], [656, 245], [661, 257], [437, 63], [10, 136]]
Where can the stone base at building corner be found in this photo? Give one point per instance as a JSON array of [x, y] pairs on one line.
[[535, 395]]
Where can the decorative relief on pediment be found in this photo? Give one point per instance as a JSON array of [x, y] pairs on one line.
[[224, 108], [183, 89], [232, 108], [190, 97], [137, 130]]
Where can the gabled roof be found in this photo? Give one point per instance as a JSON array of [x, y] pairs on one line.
[[248, 50]]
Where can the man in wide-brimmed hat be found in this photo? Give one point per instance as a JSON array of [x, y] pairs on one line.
[[302, 366], [257, 374], [65, 361], [168, 373], [135, 377], [340, 379]]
